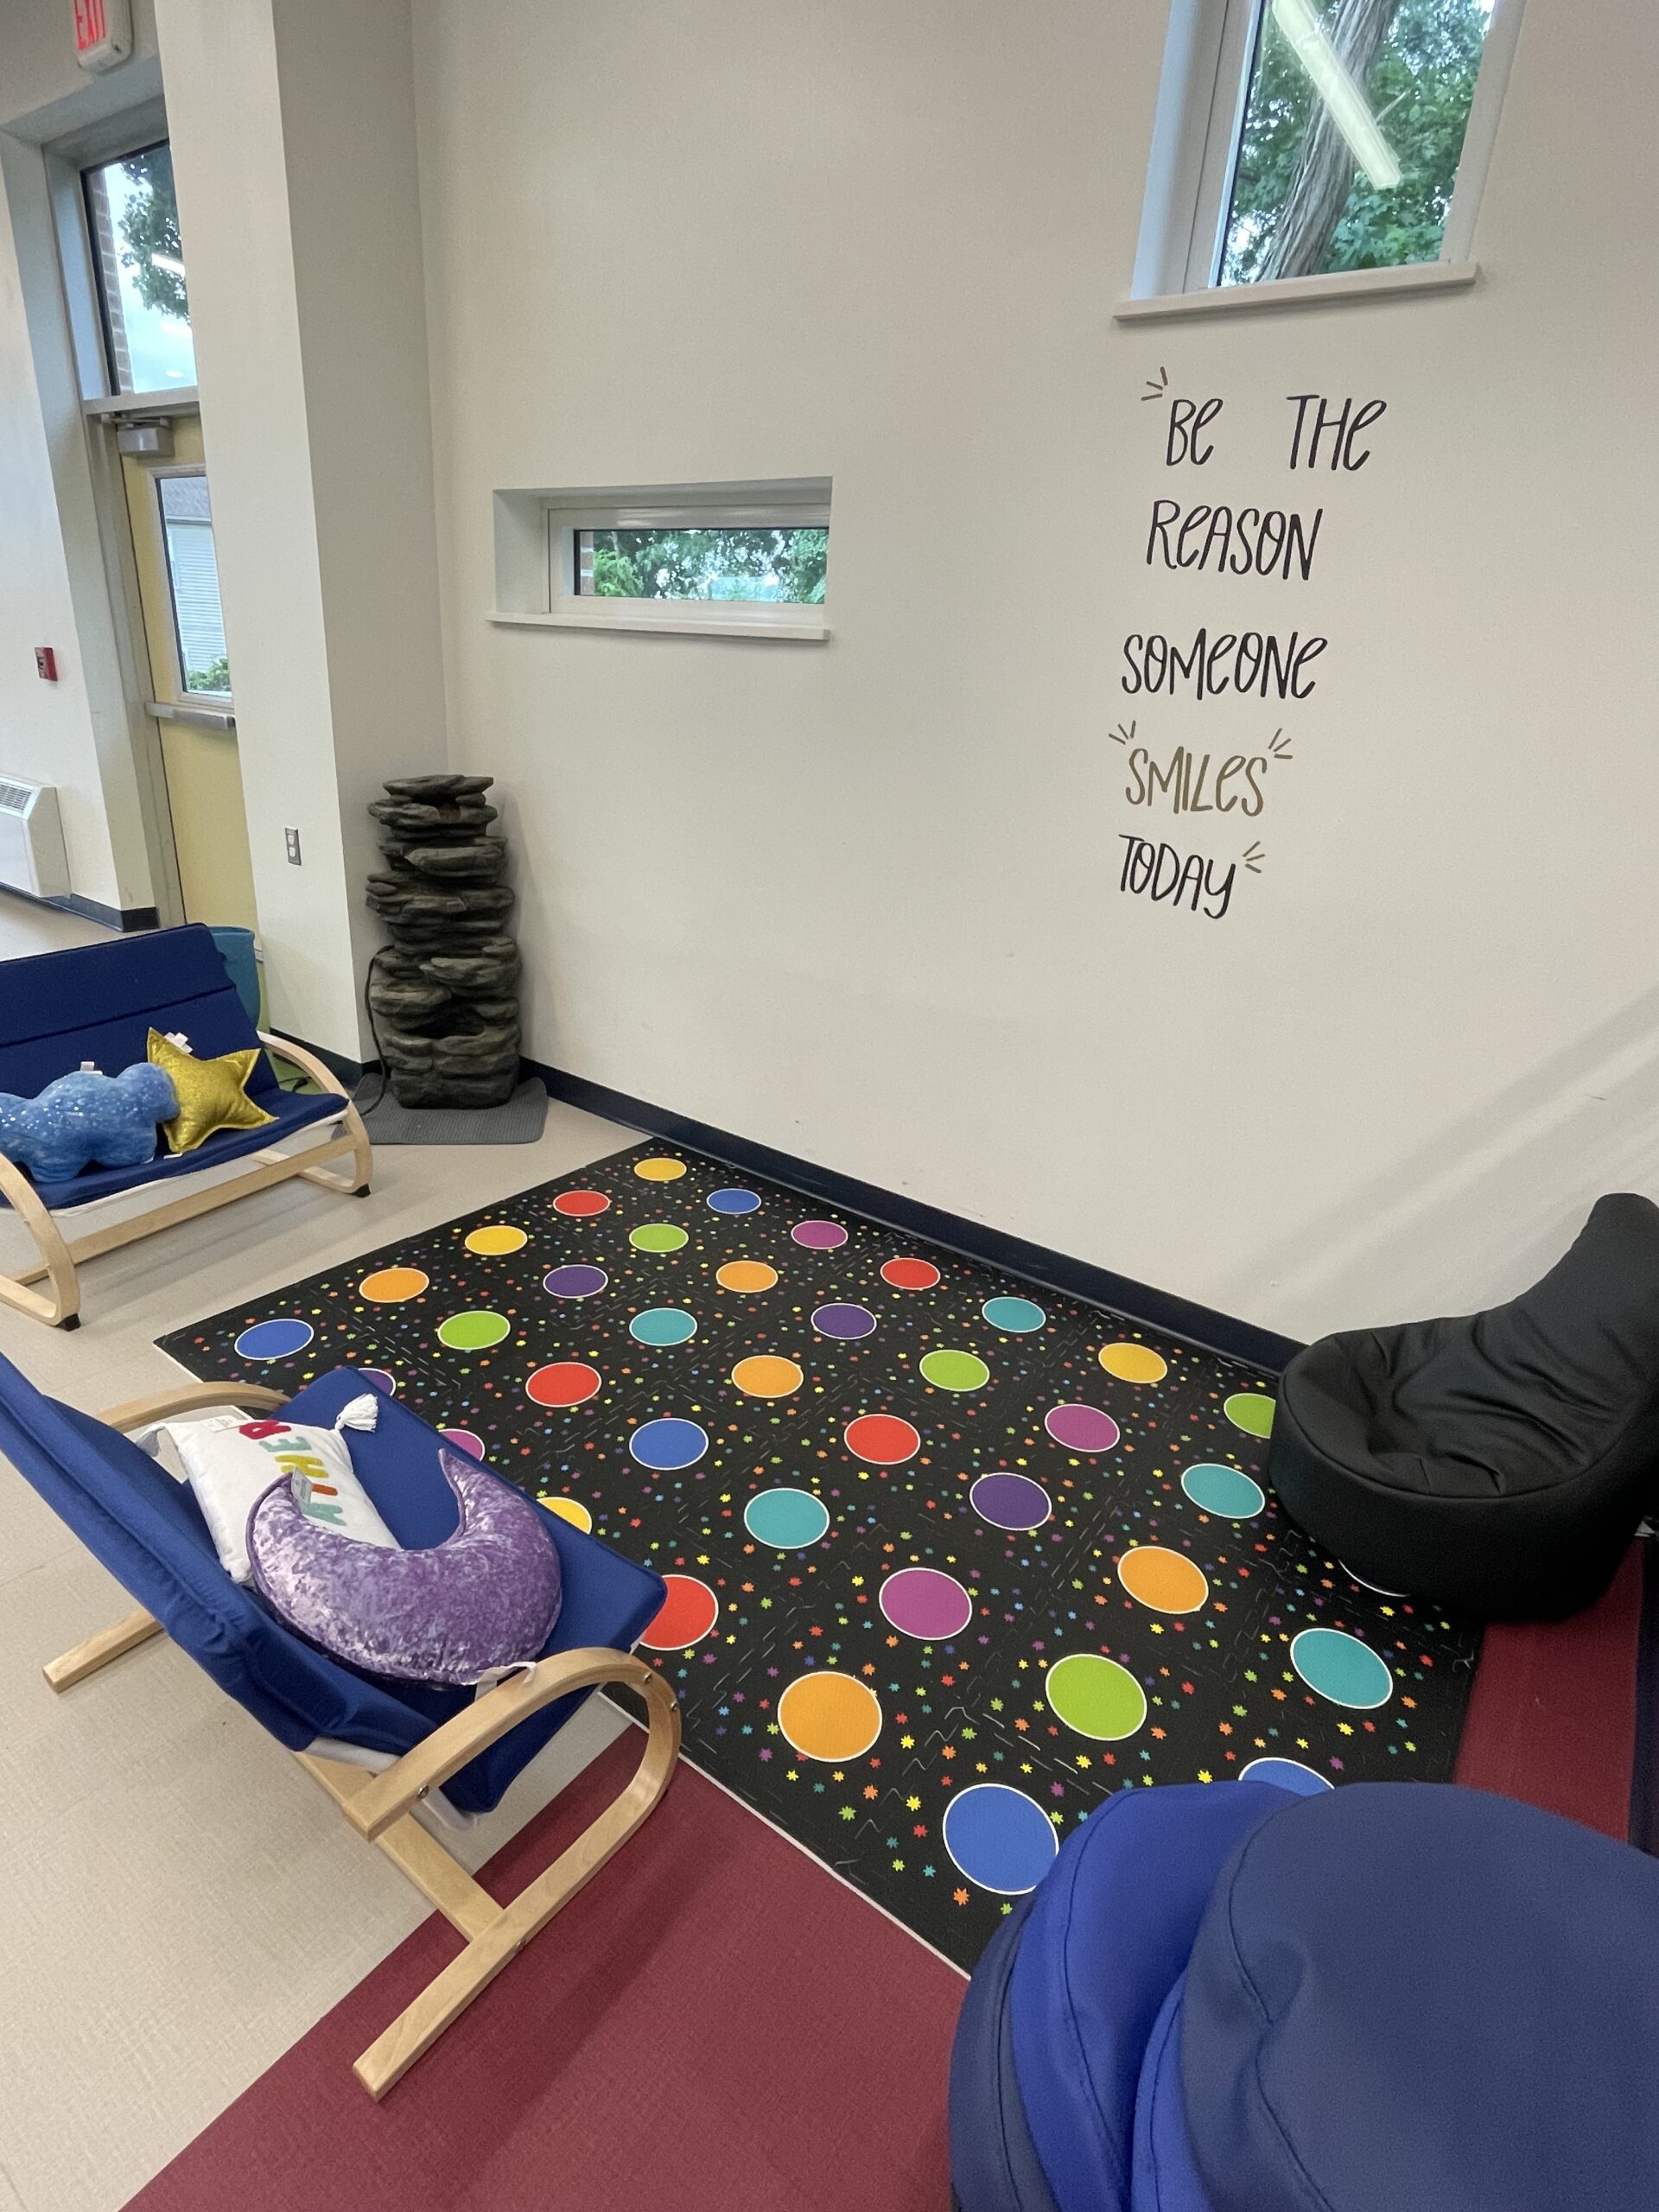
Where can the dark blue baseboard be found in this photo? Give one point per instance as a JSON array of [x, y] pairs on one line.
[[1136, 1301], [92, 909]]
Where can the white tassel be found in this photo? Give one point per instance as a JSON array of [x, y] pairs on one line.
[[361, 1412]]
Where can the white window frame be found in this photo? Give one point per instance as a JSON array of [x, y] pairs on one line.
[[537, 556], [1195, 151]]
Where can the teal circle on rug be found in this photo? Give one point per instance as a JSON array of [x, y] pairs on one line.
[[788, 1520], [663, 1325], [1015, 1316], [1223, 1490]]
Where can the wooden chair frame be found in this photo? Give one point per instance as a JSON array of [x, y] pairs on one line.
[[380, 1807], [60, 1258]]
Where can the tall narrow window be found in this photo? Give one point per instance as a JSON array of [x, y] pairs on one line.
[[132, 215], [193, 582], [1319, 136]]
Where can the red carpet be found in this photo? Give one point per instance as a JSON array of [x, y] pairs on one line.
[[712, 2024], [1552, 1717], [715, 2023]]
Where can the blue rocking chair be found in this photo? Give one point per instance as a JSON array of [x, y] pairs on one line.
[[97, 1003], [378, 1748]]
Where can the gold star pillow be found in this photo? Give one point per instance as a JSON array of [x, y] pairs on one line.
[[212, 1094]]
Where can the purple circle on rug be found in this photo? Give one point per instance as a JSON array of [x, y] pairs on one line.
[[574, 1282], [821, 1236], [1081, 1428], [843, 1321], [465, 1441], [1010, 1501], [922, 1602], [377, 1379]]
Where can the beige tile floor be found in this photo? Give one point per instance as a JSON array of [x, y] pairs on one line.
[[178, 1901]]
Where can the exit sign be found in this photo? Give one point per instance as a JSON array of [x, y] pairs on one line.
[[103, 33]]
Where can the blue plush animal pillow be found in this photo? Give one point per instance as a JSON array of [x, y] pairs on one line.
[[85, 1118]]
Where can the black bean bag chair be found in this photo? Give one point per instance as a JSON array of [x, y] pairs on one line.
[[1498, 1464]]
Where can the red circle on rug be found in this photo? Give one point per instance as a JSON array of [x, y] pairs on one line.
[[566, 1383], [883, 1439], [909, 1274], [580, 1202], [689, 1611]]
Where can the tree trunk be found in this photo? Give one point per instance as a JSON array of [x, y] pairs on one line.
[[1325, 174]]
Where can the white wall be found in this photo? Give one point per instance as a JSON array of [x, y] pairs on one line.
[[861, 900]]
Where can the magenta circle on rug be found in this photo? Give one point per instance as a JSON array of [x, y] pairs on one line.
[[923, 1602], [820, 1235], [1010, 1501], [846, 1321], [1081, 1428], [464, 1440]]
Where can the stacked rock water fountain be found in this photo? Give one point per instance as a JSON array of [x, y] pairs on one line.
[[445, 992]]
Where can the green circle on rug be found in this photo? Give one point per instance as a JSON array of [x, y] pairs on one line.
[[955, 1370], [657, 1236], [1095, 1696], [473, 1332], [1251, 1411]]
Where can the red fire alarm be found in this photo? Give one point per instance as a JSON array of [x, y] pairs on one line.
[[45, 663]]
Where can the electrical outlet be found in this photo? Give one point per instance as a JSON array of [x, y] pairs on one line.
[[291, 839]]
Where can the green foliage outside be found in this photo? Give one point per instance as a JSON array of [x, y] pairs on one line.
[[746, 564], [1419, 92], [216, 677], [150, 226]]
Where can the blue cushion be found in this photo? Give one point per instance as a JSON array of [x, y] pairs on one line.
[[1411, 1995], [994, 2163], [1109, 1931], [1166, 2177], [147, 1529], [99, 1003]]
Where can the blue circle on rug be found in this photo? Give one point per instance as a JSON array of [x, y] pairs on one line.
[[274, 1339], [1000, 1839], [574, 1282], [1015, 1316], [668, 1445], [1339, 1666], [1286, 1774], [733, 1201], [1224, 1491], [663, 1325], [845, 1322], [788, 1520]]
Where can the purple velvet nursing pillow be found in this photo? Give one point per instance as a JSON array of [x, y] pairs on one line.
[[486, 1597]]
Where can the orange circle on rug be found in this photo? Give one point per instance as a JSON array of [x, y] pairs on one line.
[[909, 1274], [1134, 1363], [764, 1377], [829, 1716], [883, 1439], [689, 1611], [562, 1382], [659, 1170], [747, 1274], [571, 1510], [391, 1286], [489, 1244], [1164, 1581], [580, 1202]]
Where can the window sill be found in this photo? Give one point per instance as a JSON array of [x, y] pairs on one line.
[[807, 628], [1302, 291]]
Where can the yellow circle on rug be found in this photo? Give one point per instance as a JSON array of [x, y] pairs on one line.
[[391, 1286], [489, 1244], [1163, 1581], [571, 1510], [747, 1274], [764, 1377], [659, 1170], [1134, 1363], [829, 1716]]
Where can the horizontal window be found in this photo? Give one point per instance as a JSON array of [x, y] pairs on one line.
[[772, 566]]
